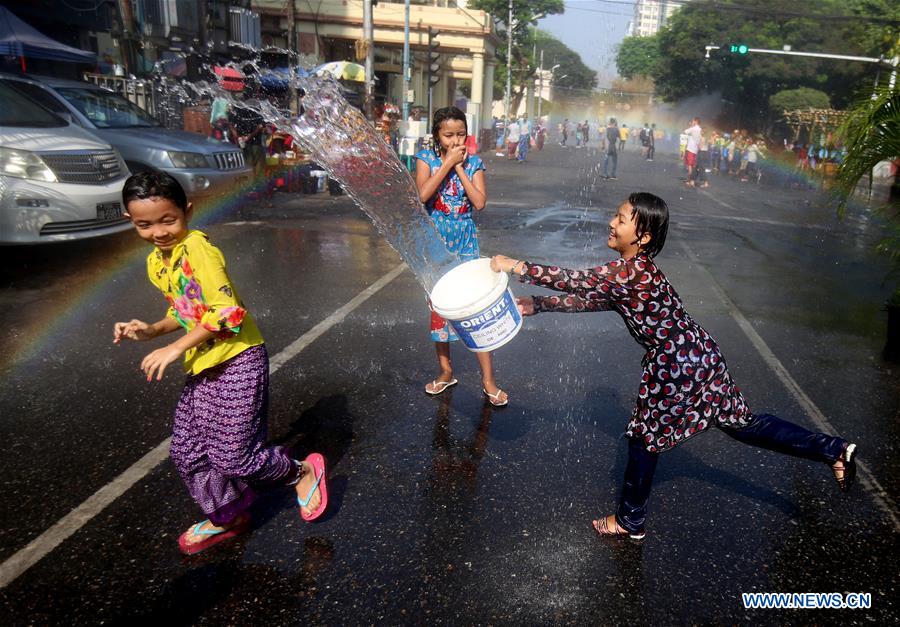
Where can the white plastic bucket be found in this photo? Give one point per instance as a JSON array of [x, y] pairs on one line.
[[479, 304]]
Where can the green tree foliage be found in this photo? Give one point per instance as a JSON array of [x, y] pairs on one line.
[[800, 98], [747, 81], [577, 74], [527, 39], [526, 14], [637, 56]]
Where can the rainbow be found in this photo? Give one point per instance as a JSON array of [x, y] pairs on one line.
[[78, 307], [781, 170]]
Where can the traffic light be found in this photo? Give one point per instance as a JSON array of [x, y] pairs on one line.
[[739, 48], [433, 61]]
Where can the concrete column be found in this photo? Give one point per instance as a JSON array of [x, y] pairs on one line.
[[476, 102], [487, 95]]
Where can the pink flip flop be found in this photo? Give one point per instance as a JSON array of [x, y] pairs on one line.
[[213, 536], [318, 464]]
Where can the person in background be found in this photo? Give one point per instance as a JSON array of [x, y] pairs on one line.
[[513, 135], [691, 148], [612, 152], [540, 134], [524, 139]]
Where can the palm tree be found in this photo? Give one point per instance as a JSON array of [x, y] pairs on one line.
[[871, 134]]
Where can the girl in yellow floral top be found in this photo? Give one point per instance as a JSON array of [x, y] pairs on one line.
[[219, 432]]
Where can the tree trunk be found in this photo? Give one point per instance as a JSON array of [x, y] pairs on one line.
[[516, 101]]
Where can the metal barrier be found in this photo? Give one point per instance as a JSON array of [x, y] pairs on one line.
[[138, 91]]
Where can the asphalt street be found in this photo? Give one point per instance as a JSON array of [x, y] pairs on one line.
[[445, 510]]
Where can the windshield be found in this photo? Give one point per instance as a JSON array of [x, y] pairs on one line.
[[106, 109], [19, 110]]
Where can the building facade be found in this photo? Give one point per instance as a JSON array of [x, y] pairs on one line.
[[334, 32], [652, 15]]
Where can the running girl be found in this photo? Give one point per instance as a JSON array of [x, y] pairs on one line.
[[451, 184], [219, 431], [685, 387]]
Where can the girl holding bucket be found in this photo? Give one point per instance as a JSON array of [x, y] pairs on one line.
[[685, 387], [451, 184]]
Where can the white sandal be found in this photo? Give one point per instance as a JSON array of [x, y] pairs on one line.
[[438, 387], [495, 398]]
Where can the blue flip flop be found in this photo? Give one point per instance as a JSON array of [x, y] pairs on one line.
[[214, 536]]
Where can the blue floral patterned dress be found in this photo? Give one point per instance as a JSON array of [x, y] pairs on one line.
[[451, 211]]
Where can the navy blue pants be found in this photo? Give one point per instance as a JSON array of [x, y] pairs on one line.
[[767, 431]]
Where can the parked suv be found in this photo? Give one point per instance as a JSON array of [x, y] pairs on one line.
[[57, 181], [204, 167]]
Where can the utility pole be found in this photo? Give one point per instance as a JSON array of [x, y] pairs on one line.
[[432, 65], [369, 36], [292, 26], [541, 88], [509, 40], [406, 65]]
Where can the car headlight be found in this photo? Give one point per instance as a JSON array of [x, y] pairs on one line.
[[24, 165], [188, 160]]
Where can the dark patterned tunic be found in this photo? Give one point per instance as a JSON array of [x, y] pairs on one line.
[[685, 387]]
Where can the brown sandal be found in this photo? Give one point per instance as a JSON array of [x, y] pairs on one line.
[[602, 527], [844, 468]]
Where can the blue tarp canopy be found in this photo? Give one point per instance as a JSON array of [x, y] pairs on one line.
[[18, 39]]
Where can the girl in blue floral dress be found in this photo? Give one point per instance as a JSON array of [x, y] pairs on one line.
[[451, 184]]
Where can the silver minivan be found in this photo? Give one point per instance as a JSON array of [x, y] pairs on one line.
[[204, 167], [57, 181]]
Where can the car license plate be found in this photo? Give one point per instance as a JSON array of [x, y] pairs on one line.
[[109, 211]]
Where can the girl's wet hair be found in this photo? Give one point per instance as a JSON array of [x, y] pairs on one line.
[[154, 184], [652, 217], [441, 116]]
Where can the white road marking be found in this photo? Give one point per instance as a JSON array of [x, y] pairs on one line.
[[35, 550], [882, 499]]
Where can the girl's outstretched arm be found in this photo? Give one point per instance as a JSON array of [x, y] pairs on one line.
[[139, 330], [595, 289], [608, 280], [569, 304]]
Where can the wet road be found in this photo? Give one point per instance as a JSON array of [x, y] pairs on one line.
[[445, 510]]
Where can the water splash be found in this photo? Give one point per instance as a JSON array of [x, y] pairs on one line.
[[348, 147]]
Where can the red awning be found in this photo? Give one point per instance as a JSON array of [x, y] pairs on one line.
[[230, 78]]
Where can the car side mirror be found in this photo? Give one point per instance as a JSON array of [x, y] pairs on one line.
[[65, 115]]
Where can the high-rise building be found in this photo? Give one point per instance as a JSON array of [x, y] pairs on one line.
[[651, 15]]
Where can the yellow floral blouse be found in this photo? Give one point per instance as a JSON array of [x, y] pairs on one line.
[[199, 291]]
